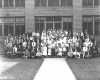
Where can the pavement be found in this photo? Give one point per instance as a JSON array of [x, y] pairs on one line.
[[49, 69], [85, 69], [55, 69], [18, 69]]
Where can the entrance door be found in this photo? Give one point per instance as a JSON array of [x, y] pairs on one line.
[[52, 22]]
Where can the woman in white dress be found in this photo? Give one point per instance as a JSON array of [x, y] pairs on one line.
[[15, 50], [86, 47]]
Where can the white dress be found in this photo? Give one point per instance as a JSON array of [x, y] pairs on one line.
[[60, 52], [44, 52], [85, 49], [14, 49]]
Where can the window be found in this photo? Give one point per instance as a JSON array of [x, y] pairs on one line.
[[57, 18], [87, 3], [20, 25], [12, 25], [88, 24], [49, 18], [66, 2], [53, 3], [19, 28], [57, 26], [8, 25], [37, 3], [52, 22], [97, 2], [8, 3], [20, 3], [8, 19], [0, 29], [39, 27], [43, 2], [97, 25], [20, 19], [49, 25], [0, 3], [39, 24], [8, 28], [40, 3], [67, 23]]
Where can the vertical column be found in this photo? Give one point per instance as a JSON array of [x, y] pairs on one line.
[[29, 14], [77, 15], [93, 26], [3, 29]]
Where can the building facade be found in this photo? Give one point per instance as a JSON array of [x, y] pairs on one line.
[[19, 16]]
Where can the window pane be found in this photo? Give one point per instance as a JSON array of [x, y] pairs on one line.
[[57, 26], [97, 25], [87, 3], [88, 19], [90, 2], [90, 28], [0, 3], [1, 20], [8, 20], [20, 3], [67, 26], [53, 3], [0, 29], [6, 3], [43, 2], [57, 18], [66, 2], [20, 19], [49, 26], [97, 28], [39, 27], [20, 28], [88, 24], [11, 3], [49, 18], [8, 29], [96, 2], [37, 3], [67, 19]]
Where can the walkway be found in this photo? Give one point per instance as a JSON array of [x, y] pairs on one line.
[[55, 69]]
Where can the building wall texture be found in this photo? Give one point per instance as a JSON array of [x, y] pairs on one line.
[[77, 11]]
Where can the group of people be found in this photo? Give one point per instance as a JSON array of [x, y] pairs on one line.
[[21, 45], [52, 43], [64, 43]]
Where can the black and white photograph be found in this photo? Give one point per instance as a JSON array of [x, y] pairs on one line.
[[49, 39]]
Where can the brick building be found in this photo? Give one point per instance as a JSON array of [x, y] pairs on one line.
[[19, 16]]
